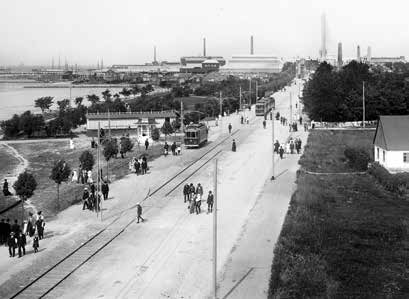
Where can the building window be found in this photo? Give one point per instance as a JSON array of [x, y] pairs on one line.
[[405, 157], [377, 153], [383, 156]]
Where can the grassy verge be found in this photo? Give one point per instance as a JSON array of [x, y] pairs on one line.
[[41, 157], [344, 236]]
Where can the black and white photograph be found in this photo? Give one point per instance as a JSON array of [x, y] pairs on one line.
[[204, 150]]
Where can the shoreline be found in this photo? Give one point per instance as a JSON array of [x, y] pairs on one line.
[[22, 164], [78, 86]]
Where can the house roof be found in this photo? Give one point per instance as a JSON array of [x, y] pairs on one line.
[[392, 132], [131, 115]]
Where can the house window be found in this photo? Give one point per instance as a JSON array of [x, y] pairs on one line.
[[377, 153], [405, 157], [383, 156]]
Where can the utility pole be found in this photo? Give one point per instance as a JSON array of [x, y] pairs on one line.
[[240, 97], [109, 125], [256, 91], [250, 91], [272, 142], [181, 116], [220, 103], [291, 108], [363, 104], [215, 232], [98, 166]]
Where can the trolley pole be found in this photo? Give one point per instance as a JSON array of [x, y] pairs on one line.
[[215, 232], [272, 143], [363, 104]]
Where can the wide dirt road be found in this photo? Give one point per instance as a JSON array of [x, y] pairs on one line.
[[170, 255]]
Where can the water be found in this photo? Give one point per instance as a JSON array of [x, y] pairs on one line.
[[15, 99]]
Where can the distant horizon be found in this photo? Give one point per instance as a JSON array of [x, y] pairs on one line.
[[84, 32]]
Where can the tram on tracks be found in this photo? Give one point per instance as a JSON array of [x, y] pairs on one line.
[[265, 105], [195, 135]]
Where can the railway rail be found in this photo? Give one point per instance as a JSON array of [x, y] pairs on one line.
[[41, 286]]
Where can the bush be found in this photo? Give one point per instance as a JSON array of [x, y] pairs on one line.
[[155, 134], [358, 158], [87, 160], [397, 183]]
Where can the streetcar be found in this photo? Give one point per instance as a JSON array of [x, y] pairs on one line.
[[195, 135], [265, 105]]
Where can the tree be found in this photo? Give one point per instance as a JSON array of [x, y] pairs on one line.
[[93, 99], [87, 160], [63, 105], [167, 128], [78, 101], [30, 123], [11, 127], [107, 95], [126, 145], [125, 92], [24, 186], [44, 103], [110, 150], [60, 173]]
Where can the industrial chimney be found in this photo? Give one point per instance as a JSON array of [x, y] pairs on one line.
[[154, 54], [204, 47], [251, 46], [369, 55], [358, 53], [340, 55]]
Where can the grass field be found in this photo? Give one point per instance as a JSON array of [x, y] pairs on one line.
[[41, 157], [344, 236]]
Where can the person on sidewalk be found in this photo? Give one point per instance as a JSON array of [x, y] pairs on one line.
[[40, 223], [264, 124], [199, 191], [291, 146], [139, 212], [21, 241], [6, 191], [85, 198], [146, 144], [230, 127], [12, 243], [36, 244], [192, 191], [276, 146], [105, 190], [210, 200], [166, 149], [233, 146], [15, 228], [173, 148]]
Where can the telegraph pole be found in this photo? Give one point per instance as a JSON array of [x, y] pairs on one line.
[[215, 232], [256, 91], [181, 116], [363, 104], [220, 103], [250, 91], [291, 108], [98, 166], [272, 142]]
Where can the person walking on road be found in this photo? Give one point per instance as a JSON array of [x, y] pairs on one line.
[[233, 146], [264, 124], [210, 200], [21, 241], [12, 244], [173, 148], [40, 225], [146, 144], [105, 190], [186, 190], [199, 191], [276, 146], [192, 191], [36, 244], [198, 202], [166, 149], [230, 127], [281, 151], [139, 212]]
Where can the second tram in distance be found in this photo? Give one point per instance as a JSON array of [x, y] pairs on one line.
[[264, 106]]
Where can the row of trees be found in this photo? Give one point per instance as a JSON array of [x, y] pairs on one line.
[[336, 96]]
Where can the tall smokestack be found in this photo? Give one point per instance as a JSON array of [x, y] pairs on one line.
[[340, 55], [251, 46], [154, 54], [358, 53], [369, 55], [323, 51], [204, 47]]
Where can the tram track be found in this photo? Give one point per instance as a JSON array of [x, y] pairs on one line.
[[55, 275]]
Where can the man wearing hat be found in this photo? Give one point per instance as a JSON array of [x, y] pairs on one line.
[[85, 197]]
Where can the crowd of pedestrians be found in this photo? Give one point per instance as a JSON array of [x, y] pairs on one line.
[[91, 197], [14, 236], [176, 149], [139, 166], [194, 196]]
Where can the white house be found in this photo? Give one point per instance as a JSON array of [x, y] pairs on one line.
[[391, 142]]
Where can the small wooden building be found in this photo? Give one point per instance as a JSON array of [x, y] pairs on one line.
[[391, 142], [140, 124]]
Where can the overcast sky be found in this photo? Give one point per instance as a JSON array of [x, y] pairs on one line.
[[125, 31]]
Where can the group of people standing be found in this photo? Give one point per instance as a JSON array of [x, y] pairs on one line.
[[289, 147], [91, 199], [139, 166], [82, 176], [194, 196], [176, 149], [15, 236]]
